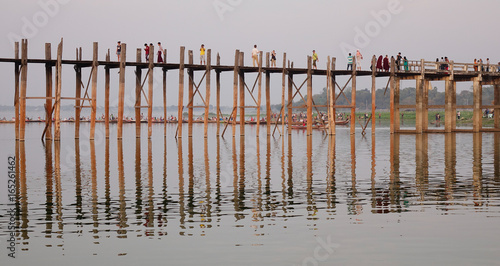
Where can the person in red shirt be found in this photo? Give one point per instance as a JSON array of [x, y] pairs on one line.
[[147, 51]]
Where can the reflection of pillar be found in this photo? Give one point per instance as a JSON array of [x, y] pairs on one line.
[[355, 207], [138, 177], [107, 188], [23, 192], [93, 167], [208, 190], [373, 187], [311, 207], [330, 182], [235, 180], [241, 193], [422, 163], [78, 181], [48, 187], [150, 214], [190, 178], [58, 187], [477, 168], [290, 168], [182, 212], [450, 163], [394, 185], [268, 167], [122, 211]]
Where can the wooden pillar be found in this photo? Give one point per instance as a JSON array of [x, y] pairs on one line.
[[283, 95], [309, 97], [138, 88], [242, 95], [181, 92], [106, 95], [121, 90], [477, 117], [425, 105], [290, 102], [93, 109], [374, 92], [268, 97], [207, 93], [217, 86], [48, 91], [57, 129], [332, 100], [150, 91], [496, 102], [17, 72], [22, 97], [190, 94], [259, 93], [164, 93], [353, 98], [78, 96], [418, 102], [235, 90], [392, 99], [448, 105]]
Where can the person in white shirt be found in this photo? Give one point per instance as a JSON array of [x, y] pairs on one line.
[[255, 55]]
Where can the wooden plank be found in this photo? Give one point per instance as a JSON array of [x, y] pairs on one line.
[[207, 93], [93, 111], [477, 117], [242, 95], [121, 91], [138, 89], [217, 85], [332, 103], [181, 92], [392, 102], [24, 79], [418, 100], [190, 94], [150, 91], [448, 106], [235, 91], [259, 94], [309, 96], [290, 102], [48, 93], [353, 98], [78, 95], [57, 129], [164, 94], [268, 97], [496, 101], [374, 93], [106, 95], [17, 74], [282, 112]]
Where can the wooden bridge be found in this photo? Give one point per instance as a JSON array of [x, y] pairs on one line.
[[423, 72]]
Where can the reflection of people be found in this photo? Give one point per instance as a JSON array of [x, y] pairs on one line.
[[255, 54], [202, 54], [160, 51], [315, 58], [349, 61], [359, 57], [273, 59], [119, 50]]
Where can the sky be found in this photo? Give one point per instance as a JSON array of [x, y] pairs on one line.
[[419, 29]]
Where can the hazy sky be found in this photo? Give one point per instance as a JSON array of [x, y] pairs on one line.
[[459, 29]]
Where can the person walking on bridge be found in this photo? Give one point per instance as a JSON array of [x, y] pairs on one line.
[[315, 58], [255, 55]]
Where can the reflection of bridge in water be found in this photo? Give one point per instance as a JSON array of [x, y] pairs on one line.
[[203, 204], [422, 72]]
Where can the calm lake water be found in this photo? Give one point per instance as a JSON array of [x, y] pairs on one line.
[[348, 200]]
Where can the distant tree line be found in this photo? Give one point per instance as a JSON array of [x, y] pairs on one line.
[[407, 97]]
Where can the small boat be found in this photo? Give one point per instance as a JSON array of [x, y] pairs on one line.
[[341, 122]]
